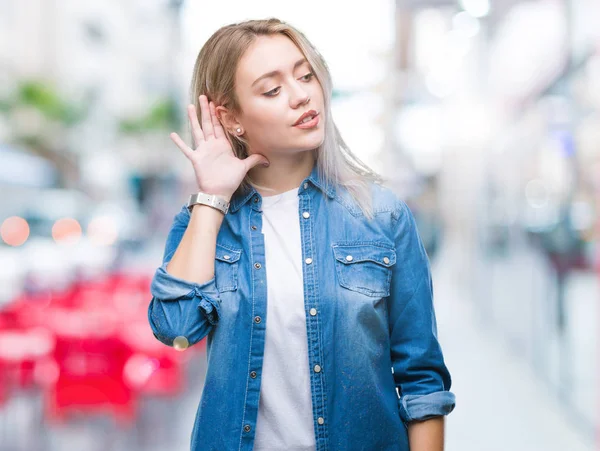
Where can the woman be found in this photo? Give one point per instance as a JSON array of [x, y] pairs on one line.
[[305, 274]]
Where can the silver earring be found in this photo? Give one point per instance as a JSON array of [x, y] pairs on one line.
[[239, 130]]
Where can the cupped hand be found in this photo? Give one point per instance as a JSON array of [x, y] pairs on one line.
[[217, 169]]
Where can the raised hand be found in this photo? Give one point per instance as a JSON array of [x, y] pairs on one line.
[[217, 169]]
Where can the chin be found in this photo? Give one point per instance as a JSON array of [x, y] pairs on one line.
[[306, 143], [312, 142]]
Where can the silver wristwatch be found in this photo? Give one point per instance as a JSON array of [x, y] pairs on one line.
[[212, 200]]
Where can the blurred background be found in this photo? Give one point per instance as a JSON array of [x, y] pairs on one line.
[[483, 114]]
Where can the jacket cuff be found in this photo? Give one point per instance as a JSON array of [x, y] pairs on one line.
[[423, 407], [166, 287], [210, 307]]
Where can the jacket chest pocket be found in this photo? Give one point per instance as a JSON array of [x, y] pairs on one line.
[[226, 268], [365, 267]]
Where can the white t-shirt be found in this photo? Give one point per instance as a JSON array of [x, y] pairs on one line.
[[285, 418]]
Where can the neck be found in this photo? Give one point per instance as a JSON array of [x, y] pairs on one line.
[[284, 173]]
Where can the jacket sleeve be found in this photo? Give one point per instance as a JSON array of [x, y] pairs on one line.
[[180, 308], [420, 374]]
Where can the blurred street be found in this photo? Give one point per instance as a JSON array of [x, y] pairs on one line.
[[501, 403]]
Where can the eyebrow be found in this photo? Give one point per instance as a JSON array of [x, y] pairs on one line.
[[276, 72]]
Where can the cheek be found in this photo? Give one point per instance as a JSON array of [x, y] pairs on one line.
[[265, 115]]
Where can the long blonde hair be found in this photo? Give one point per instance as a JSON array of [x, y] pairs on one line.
[[214, 76]]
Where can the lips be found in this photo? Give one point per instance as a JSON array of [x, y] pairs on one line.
[[309, 114]]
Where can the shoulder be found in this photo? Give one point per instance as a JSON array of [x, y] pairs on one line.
[[384, 201]]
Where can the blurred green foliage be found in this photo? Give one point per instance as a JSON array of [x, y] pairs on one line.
[[47, 140], [44, 97], [163, 115]]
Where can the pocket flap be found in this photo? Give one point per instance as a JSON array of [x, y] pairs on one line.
[[227, 254], [355, 253]]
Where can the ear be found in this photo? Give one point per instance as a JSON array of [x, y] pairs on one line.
[[227, 119]]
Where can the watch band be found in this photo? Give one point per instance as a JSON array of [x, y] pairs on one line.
[[212, 200]]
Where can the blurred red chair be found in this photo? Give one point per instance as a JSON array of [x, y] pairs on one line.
[[20, 352], [90, 347], [90, 359]]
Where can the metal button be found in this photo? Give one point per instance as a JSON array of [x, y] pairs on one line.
[[306, 215], [305, 185], [257, 319], [255, 200], [226, 257], [253, 374], [349, 258], [308, 261], [321, 420], [253, 227], [313, 311], [386, 260], [181, 343], [257, 265], [247, 428], [317, 369]]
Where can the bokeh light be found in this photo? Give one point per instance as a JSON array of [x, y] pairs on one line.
[[66, 231], [102, 231], [14, 231]]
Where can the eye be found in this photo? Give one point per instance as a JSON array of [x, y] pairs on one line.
[[272, 92], [309, 75]]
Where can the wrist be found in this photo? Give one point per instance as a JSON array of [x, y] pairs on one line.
[[218, 202], [206, 219], [213, 192]]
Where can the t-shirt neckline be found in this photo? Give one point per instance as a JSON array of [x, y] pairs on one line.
[[286, 196]]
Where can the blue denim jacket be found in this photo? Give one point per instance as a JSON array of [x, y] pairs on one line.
[[376, 363]]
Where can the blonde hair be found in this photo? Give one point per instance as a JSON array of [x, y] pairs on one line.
[[214, 76]]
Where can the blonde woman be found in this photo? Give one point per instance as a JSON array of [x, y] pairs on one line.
[[304, 273]]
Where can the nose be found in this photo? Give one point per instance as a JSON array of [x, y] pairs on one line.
[[299, 97]]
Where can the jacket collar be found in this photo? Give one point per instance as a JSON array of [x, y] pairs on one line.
[[315, 178]]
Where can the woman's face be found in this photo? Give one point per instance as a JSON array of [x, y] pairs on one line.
[[275, 85]]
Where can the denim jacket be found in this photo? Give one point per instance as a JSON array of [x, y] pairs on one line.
[[376, 363]]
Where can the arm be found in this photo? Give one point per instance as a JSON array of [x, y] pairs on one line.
[[185, 301], [420, 374], [427, 435]]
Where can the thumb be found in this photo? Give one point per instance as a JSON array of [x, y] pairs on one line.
[[254, 160]]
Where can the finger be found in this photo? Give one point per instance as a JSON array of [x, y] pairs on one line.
[[207, 127], [254, 160], [196, 130], [182, 145], [219, 132]]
